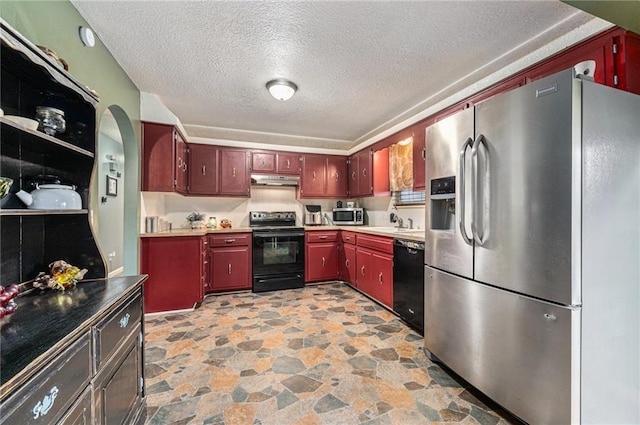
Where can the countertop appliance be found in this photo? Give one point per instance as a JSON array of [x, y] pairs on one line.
[[348, 216], [408, 281], [278, 251], [312, 215], [532, 247]]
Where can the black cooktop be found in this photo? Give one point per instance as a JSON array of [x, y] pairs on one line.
[[265, 220]]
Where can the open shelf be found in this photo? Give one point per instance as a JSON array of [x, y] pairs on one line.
[[25, 211], [39, 142]]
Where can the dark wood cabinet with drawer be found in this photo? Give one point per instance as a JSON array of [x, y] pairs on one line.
[[321, 256], [48, 395], [230, 267]]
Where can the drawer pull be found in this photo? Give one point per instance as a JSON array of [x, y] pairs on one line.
[[42, 407], [346, 263], [313, 174], [324, 261], [233, 172], [229, 268], [411, 311], [204, 170], [288, 164], [323, 237], [125, 320], [229, 240], [362, 270], [380, 278]]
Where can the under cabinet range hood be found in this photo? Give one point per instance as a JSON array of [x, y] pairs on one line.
[[273, 180]]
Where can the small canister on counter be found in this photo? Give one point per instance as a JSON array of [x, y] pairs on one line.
[[212, 223]]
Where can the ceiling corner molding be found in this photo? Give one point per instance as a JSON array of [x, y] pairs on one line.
[[465, 87], [269, 140]]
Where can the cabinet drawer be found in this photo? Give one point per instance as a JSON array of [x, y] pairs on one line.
[[378, 243], [316, 236], [48, 395], [114, 328], [348, 237], [230, 239]]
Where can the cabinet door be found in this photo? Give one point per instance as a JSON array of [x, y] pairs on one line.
[[322, 261], [288, 163], [337, 176], [419, 157], [365, 172], [364, 271], [234, 172], [382, 276], [381, 172], [204, 267], [118, 387], [230, 268], [181, 166], [158, 158], [203, 169], [313, 176], [173, 265], [263, 162], [353, 189], [349, 264]]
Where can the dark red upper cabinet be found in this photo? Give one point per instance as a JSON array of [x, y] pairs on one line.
[[164, 156], [337, 180], [288, 163], [203, 169], [313, 180], [263, 162], [361, 173], [234, 172]]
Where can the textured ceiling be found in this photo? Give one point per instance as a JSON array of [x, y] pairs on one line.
[[361, 67]]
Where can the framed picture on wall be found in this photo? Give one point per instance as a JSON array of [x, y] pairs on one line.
[[112, 186]]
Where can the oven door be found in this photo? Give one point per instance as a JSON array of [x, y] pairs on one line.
[[277, 253]]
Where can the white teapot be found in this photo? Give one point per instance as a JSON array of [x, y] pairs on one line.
[[51, 197]]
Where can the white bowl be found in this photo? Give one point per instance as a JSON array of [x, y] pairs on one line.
[[25, 122]]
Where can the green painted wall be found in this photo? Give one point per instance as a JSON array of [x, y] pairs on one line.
[[55, 24], [625, 14]]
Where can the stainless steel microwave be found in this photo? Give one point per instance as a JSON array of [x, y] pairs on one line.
[[348, 216]]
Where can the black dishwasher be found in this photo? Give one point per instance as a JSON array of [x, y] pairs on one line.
[[408, 281]]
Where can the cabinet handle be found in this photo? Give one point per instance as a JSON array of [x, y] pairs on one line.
[[424, 153], [262, 162], [179, 162], [411, 311], [364, 172], [353, 175], [346, 263], [233, 172], [362, 270], [380, 278], [313, 175], [42, 407], [347, 238], [229, 268], [204, 170], [184, 166], [124, 321], [324, 261], [229, 240], [337, 176], [288, 164], [322, 237]]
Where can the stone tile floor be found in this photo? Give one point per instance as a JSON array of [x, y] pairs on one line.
[[320, 355]]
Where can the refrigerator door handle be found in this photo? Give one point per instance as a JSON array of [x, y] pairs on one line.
[[480, 240], [461, 213]]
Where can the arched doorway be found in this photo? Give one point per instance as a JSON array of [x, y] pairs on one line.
[[116, 225]]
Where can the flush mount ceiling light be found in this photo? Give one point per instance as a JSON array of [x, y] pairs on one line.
[[281, 89]]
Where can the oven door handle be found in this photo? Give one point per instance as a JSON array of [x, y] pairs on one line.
[[278, 235], [272, 279]]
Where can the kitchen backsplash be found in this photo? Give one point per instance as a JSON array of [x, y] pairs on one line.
[[175, 208]]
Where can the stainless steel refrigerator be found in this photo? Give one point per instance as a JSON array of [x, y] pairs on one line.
[[532, 250]]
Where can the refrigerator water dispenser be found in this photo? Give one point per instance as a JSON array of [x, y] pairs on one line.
[[443, 204]]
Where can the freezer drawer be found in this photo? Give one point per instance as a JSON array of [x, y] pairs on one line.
[[515, 349]]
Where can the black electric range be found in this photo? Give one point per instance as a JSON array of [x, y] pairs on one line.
[[278, 251]]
